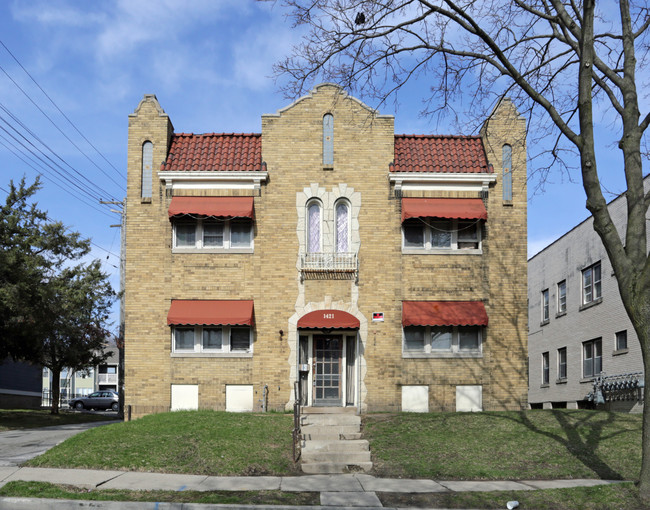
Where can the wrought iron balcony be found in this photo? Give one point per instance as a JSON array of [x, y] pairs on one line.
[[329, 266]]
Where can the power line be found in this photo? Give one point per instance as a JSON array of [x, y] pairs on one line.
[[61, 112]]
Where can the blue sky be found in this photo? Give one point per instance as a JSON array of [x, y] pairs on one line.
[[209, 63]]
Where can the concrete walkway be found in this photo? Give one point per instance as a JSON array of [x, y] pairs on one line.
[[342, 491]]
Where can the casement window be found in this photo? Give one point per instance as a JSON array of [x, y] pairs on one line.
[[430, 234], [621, 340], [545, 368], [591, 284], [506, 155], [545, 306], [561, 297], [211, 339], [592, 358], [431, 340], [147, 166], [213, 233], [561, 364]]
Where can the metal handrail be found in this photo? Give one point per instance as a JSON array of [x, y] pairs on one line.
[[296, 421]]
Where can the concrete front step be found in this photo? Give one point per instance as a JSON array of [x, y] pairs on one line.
[[341, 457], [333, 436], [355, 445], [330, 419], [328, 410], [316, 468], [316, 430]]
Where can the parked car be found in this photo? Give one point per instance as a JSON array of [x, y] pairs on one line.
[[98, 400]]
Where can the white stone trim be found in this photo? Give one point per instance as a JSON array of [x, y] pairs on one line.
[[430, 181], [213, 180]]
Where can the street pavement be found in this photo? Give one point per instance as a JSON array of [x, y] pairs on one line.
[[18, 446]]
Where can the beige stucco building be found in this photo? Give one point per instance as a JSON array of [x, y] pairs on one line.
[[385, 272]]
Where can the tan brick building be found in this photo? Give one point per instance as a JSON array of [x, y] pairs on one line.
[[385, 272]]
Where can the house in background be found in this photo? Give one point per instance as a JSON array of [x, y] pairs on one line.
[[81, 383], [20, 385], [325, 259], [579, 332]]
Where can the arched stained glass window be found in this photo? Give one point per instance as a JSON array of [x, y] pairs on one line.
[[313, 227], [342, 227], [328, 140], [147, 165], [507, 172]]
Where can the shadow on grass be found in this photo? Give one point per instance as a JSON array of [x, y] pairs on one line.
[[583, 449]]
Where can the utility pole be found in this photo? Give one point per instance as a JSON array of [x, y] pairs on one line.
[[120, 339]]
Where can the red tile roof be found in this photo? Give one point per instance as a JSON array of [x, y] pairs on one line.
[[226, 152], [448, 154]]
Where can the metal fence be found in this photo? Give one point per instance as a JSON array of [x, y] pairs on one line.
[[64, 398]]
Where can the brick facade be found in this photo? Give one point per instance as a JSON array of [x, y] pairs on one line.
[[271, 273]]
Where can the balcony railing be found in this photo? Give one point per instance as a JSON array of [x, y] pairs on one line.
[[107, 378], [329, 266]]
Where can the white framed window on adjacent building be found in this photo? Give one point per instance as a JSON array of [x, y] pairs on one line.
[[591, 284], [621, 340], [561, 297], [561, 364], [212, 339], [545, 368], [213, 234], [545, 306], [592, 358]]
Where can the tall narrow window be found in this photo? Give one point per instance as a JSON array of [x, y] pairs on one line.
[[342, 227], [545, 307], [561, 364], [313, 227], [545, 368], [328, 140], [592, 358], [507, 172], [591, 287], [561, 297], [147, 164]]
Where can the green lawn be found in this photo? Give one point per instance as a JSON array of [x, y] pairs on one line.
[[32, 418], [200, 442], [506, 445], [489, 445]]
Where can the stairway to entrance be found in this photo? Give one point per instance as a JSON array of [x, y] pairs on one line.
[[331, 441]]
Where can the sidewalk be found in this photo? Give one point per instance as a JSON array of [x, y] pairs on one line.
[[343, 491]]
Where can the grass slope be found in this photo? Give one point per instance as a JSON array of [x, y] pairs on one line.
[[199, 442], [506, 445]]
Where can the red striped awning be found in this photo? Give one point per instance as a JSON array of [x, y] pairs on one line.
[[450, 208], [444, 313], [218, 207], [210, 312], [328, 319]]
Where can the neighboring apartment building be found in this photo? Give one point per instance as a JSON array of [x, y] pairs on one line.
[[578, 326], [20, 385], [380, 271], [73, 384]]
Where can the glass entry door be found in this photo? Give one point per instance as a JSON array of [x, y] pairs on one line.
[[327, 370]]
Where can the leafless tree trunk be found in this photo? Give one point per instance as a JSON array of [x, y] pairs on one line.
[[561, 61]]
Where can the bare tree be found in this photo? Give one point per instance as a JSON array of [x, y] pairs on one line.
[[563, 62]]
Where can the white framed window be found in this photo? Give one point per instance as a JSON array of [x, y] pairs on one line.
[[545, 306], [545, 368], [434, 235], [213, 234], [212, 339], [561, 297], [591, 284], [314, 226], [592, 358], [442, 341], [561, 364], [342, 213]]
